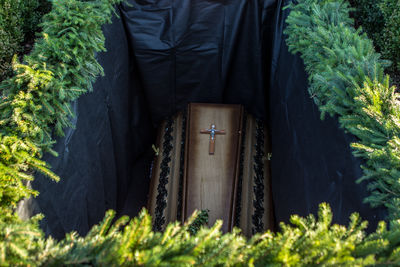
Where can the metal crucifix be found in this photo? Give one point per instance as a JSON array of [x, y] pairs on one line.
[[212, 132]]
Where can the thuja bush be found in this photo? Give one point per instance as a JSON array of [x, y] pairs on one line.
[[346, 80], [32, 12], [10, 36], [390, 41], [369, 15], [19, 20], [380, 19]]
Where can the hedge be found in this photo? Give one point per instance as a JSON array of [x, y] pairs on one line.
[[19, 21], [380, 19], [390, 41], [346, 80]]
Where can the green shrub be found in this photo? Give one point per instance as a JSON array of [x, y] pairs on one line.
[[390, 40], [11, 35], [32, 12], [19, 20], [369, 15], [380, 19]]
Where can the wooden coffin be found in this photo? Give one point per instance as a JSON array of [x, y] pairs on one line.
[[210, 177], [228, 175]]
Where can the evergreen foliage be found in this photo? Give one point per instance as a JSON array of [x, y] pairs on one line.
[[36, 100], [390, 41], [370, 16], [380, 19], [10, 36], [201, 220], [346, 79], [131, 242], [20, 242], [19, 21]]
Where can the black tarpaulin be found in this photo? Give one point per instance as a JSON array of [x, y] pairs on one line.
[[164, 54]]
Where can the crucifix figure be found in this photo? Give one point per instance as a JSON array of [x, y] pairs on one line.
[[212, 132]]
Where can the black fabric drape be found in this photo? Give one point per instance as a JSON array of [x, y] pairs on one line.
[[164, 54], [200, 51]]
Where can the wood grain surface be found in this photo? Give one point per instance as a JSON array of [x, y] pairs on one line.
[[210, 180]]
